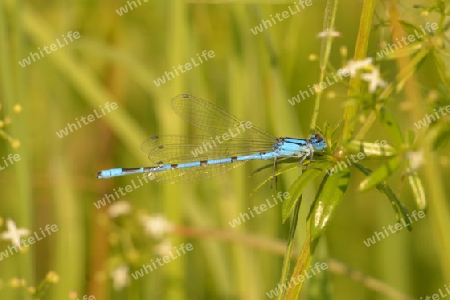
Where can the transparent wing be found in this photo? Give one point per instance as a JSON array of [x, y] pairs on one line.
[[188, 175], [212, 119], [176, 149]]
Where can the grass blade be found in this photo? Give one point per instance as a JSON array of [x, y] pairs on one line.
[[299, 186], [380, 174], [328, 201], [400, 210]]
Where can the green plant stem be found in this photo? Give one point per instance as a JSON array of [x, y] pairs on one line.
[[362, 42], [328, 25], [303, 263], [291, 240]]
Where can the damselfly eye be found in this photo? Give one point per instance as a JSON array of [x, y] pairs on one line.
[[318, 137]]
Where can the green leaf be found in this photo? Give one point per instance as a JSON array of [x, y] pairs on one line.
[[408, 27], [439, 135], [300, 184], [439, 61], [379, 149], [418, 191], [400, 210], [329, 132], [380, 174], [290, 246], [301, 267], [270, 178], [412, 163], [391, 124], [328, 201], [410, 69], [402, 52]]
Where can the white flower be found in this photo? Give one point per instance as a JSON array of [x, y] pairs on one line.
[[13, 233], [120, 277], [416, 160], [156, 225], [119, 208], [329, 32], [353, 66], [374, 79]]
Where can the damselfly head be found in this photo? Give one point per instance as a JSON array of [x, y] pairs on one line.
[[317, 142]]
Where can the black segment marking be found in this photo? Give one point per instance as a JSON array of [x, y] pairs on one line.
[[130, 170], [234, 158], [203, 163]]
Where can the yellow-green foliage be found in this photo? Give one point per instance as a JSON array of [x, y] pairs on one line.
[[91, 58]]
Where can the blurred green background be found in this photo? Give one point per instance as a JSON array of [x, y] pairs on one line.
[[117, 59]]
